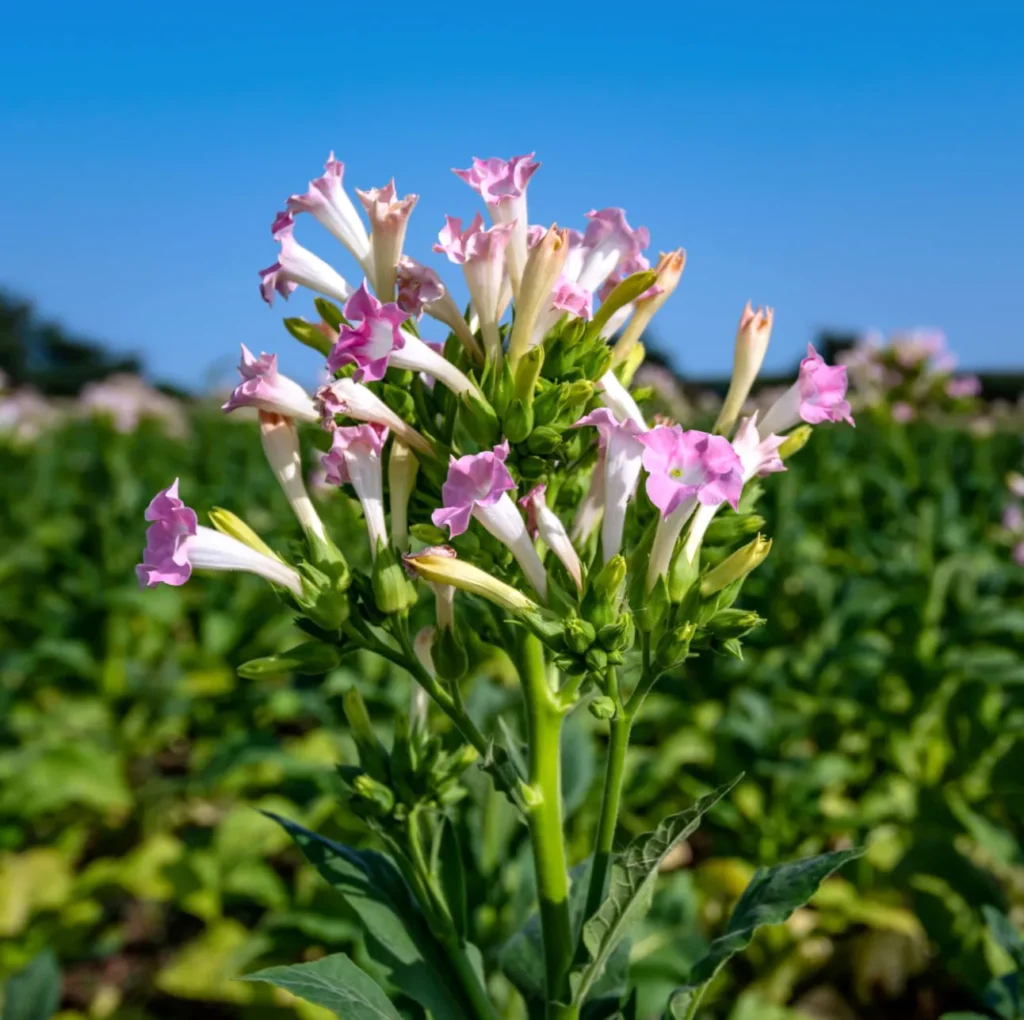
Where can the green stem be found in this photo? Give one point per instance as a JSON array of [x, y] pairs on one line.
[[615, 766], [544, 815]]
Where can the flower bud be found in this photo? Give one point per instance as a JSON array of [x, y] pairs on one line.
[[654, 606], [480, 419], [231, 524], [733, 623], [391, 591], [527, 373], [617, 636], [596, 659], [448, 570], [579, 634], [518, 421], [752, 336], [602, 707], [544, 440], [669, 271], [428, 534], [311, 658], [402, 470], [736, 566], [727, 528], [543, 267], [372, 754], [310, 334], [449, 654], [795, 441], [675, 645], [376, 798], [609, 581]]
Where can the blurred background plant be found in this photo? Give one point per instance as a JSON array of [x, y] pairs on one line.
[[881, 703]]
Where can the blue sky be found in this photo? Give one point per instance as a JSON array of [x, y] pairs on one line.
[[853, 165]]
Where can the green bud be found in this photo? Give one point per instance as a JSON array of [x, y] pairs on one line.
[[428, 534], [527, 373], [518, 421], [681, 575], [736, 566], [307, 333], [479, 418], [391, 589], [323, 597], [608, 582], [231, 524], [312, 658], [627, 290], [544, 440], [602, 707], [733, 623], [575, 397], [449, 654], [727, 528], [533, 467], [596, 361], [330, 313], [579, 634], [795, 441], [376, 798], [633, 360], [596, 659], [675, 645], [548, 405], [371, 752], [503, 389], [618, 635]]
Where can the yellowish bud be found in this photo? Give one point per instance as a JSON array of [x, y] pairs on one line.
[[752, 336], [441, 568], [738, 565], [231, 524], [543, 267], [670, 270]]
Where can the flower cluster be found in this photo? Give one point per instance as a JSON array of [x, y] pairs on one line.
[[910, 375]]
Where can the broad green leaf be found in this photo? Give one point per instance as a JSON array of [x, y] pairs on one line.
[[33, 993], [771, 897], [336, 983], [397, 936], [632, 882]]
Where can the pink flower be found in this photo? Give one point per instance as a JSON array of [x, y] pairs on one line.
[[265, 389], [354, 459], [623, 452], [1018, 553], [389, 217], [903, 412], [297, 266], [371, 342], [690, 466], [354, 400], [818, 395], [176, 543], [418, 287], [609, 241], [498, 181], [964, 386], [378, 340], [759, 456], [477, 487], [1013, 518], [328, 202], [572, 298], [481, 253], [542, 521]]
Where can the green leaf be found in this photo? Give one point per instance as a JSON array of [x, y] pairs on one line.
[[33, 993], [453, 877], [632, 882], [1005, 934], [771, 897], [334, 982], [397, 936]]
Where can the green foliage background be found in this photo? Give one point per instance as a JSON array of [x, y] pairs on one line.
[[882, 704]]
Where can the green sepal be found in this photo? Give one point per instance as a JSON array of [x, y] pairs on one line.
[[306, 333], [311, 658], [628, 290]]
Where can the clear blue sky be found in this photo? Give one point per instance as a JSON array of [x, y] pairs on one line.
[[855, 165]]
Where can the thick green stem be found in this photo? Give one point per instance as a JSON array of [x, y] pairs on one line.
[[544, 717], [615, 767]]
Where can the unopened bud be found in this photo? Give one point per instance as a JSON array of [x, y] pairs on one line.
[[544, 440], [376, 797], [669, 270], [733, 623], [543, 266], [428, 534], [630, 363], [727, 528], [654, 606], [602, 707], [795, 441], [579, 634], [371, 752], [449, 654], [231, 524], [311, 334], [518, 421], [312, 658], [391, 591], [480, 418], [675, 645], [596, 659], [752, 336], [527, 374], [617, 636], [402, 469], [736, 566]]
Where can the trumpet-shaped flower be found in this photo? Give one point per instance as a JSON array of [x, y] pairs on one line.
[[444, 594], [543, 522], [573, 298], [176, 543], [354, 458], [818, 395], [376, 340], [420, 290], [759, 456], [281, 446], [502, 185], [615, 396], [442, 568], [266, 389], [645, 307], [591, 508], [623, 453], [477, 486], [609, 241], [327, 201], [347, 397], [686, 470], [389, 217], [297, 266], [481, 253]]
